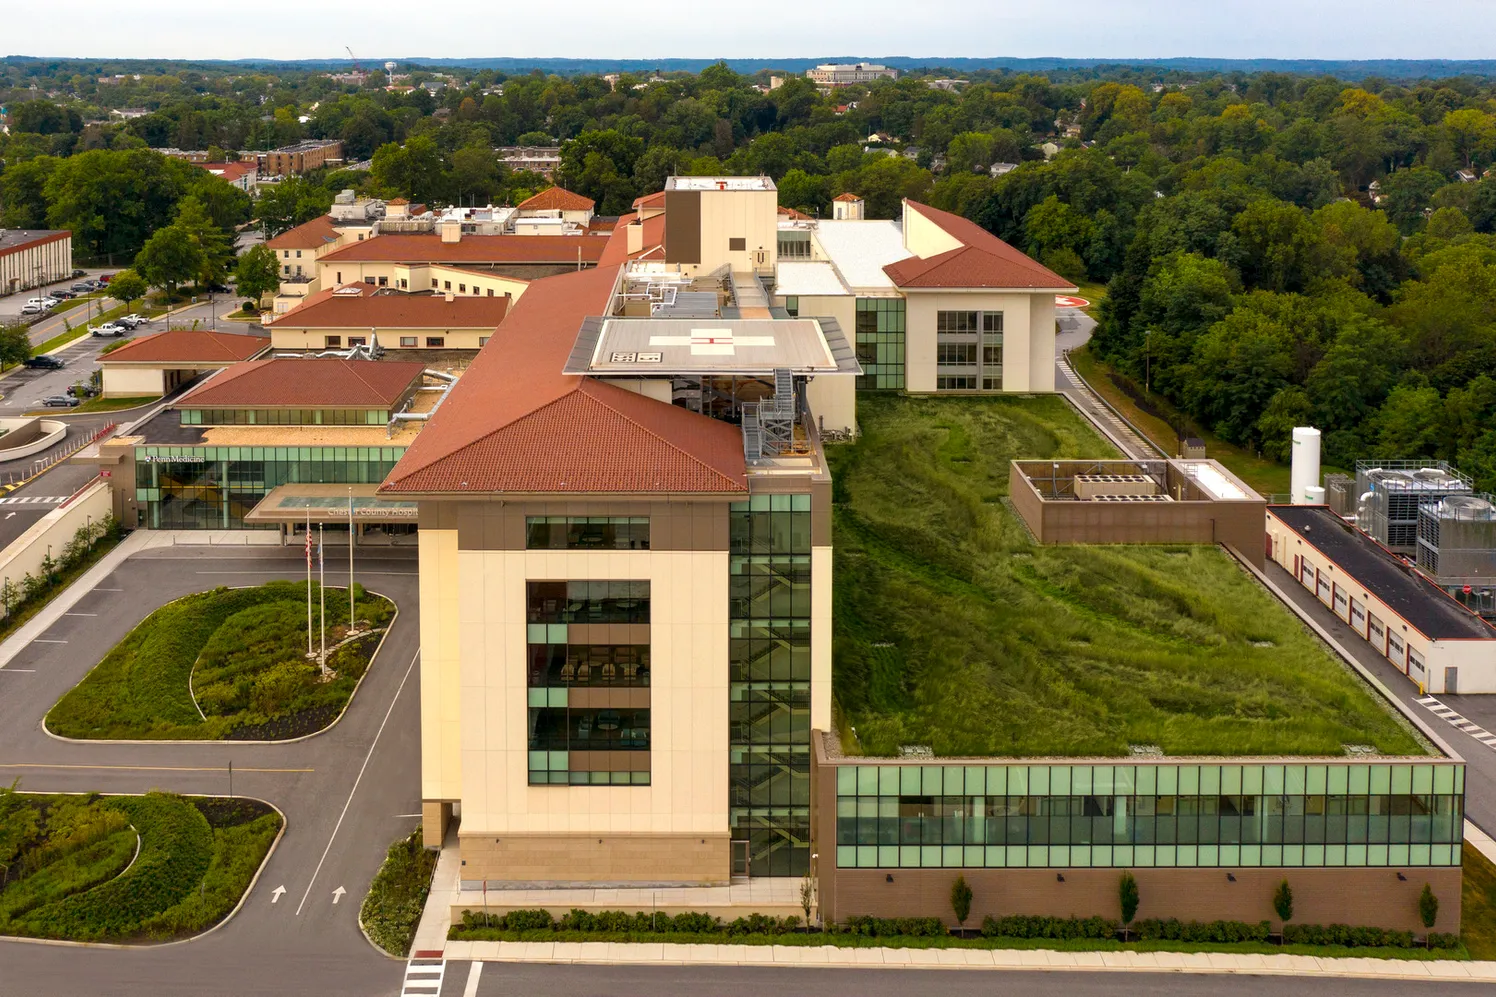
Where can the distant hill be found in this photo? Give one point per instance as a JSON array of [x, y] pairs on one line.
[[1348, 69]]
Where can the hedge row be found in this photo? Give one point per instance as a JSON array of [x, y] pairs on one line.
[[1039, 926], [1174, 930], [640, 922], [889, 927], [1350, 937]]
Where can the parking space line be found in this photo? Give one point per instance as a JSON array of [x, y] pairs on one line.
[[43, 640]]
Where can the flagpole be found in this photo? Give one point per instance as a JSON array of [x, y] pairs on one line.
[[322, 593], [309, 582], [350, 559]]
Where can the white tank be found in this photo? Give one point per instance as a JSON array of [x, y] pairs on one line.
[[1304, 473], [1314, 495]]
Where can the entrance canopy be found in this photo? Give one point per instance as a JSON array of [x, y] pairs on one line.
[[291, 504]]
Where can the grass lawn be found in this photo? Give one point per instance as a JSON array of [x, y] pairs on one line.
[[236, 655], [953, 630], [392, 910], [122, 868], [101, 404], [1478, 905], [1266, 476]]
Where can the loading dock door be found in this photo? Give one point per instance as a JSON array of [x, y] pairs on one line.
[[1451, 681]]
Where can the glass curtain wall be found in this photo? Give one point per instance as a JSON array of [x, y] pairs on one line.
[[769, 717]]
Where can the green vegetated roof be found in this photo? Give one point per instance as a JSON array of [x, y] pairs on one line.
[[955, 631]]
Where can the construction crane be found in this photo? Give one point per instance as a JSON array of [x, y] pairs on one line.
[[356, 67]]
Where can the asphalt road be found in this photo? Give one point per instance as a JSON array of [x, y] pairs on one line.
[[505, 980], [347, 793]]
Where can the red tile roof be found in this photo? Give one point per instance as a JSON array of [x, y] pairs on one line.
[[228, 171], [331, 310], [792, 213], [617, 249], [848, 196], [983, 260], [187, 346], [655, 200], [308, 235], [473, 249], [313, 382], [515, 423], [556, 199]]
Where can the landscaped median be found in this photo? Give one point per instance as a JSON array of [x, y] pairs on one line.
[[229, 664], [1017, 931], [126, 868], [392, 910]]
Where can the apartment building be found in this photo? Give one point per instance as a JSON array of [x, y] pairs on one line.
[[300, 158]]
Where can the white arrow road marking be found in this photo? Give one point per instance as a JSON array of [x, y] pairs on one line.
[[9, 515], [337, 895], [275, 894]]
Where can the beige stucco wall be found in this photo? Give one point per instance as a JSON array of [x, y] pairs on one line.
[[833, 402], [1475, 659], [650, 387], [924, 238], [128, 382], [688, 692], [441, 689], [24, 555], [1028, 335], [286, 336], [752, 215]]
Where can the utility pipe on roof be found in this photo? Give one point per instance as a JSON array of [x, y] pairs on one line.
[[445, 390]]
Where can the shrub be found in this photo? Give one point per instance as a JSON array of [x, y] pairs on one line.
[[961, 900], [528, 920], [1428, 906], [1041, 926], [1127, 890], [1283, 901], [392, 910], [1174, 930], [887, 927]]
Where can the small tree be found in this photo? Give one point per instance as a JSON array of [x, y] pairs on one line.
[[1127, 893], [1283, 901], [168, 259], [15, 344], [257, 273], [10, 594], [1428, 907], [807, 896], [961, 900], [127, 286]]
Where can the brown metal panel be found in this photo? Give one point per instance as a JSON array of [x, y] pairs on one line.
[[683, 226]]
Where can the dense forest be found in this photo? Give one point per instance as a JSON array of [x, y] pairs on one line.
[[1278, 248]]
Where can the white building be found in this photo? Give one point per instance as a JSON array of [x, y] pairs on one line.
[[839, 74]]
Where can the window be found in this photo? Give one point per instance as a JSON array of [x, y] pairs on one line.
[[368, 280], [992, 323], [360, 237], [482, 340], [298, 269], [956, 354], [358, 340], [340, 277], [298, 254], [992, 356], [794, 245], [286, 269], [332, 341], [947, 323], [737, 245], [433, 281], [992, 384], [792, 306], [446, 285], [407, 340], [587, 532], [948, 383], [880, 343], [490, 291], [286, 254], [461, 288], [435, 342], [384, 282]]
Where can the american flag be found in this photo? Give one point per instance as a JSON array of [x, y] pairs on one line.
[[309, 549]]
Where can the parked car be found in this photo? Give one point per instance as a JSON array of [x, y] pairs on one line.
[[133, 321], [82, 287], [109, 329], [60, 401], [43, 302], [30, 309], [78, 273], [44, 362], [105, 278], [62, 295]]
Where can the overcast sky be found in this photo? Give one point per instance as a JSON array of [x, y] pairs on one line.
[[1122, 29]]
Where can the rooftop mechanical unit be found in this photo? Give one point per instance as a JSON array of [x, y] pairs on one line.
[[1390, 493], [1130, 498], [1457, 548]]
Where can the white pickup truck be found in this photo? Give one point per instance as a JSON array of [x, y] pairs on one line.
[[109, 329]]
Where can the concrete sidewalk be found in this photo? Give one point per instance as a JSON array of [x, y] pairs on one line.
[[834, 957]]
